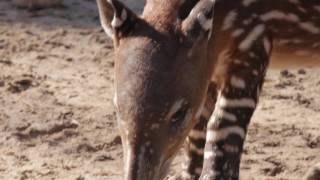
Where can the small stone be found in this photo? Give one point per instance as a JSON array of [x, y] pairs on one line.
[[287, 74], [80, 178], [6, 62], [41, 57], [69, 59], [104, 158], [302, 71]]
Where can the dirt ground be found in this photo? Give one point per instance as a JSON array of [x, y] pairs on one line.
[[57, 120]]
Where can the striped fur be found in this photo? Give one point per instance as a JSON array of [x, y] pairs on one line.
[[241, 47], [165, 61], [197, 137]]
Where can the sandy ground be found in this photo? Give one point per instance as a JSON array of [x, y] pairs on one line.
[[57, 120]]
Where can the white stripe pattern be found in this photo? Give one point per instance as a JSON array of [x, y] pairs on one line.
[[221, 134], [210, 154], [237, 82], [252, 36], [232, 103], [196, 134], [221, 113]]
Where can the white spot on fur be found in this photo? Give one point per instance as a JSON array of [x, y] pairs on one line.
[[237, 32], [155, 126], [294, 1], [267, 45], [279, 15], [151, 150], [247, 21], [210, 154], [221, 113], [302, 9], [252, 55], [196, 134], [246, 64], [231, 148], [198, 170], [310, 27], [237, 61], [205, 23], [221, 134], [248, 2], [317, 8], [251, 37], [237, 82], [316, 45], [229, 20]]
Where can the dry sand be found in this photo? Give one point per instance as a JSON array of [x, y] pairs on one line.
[[57, 120]]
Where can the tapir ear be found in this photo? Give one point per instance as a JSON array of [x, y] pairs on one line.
[[199, 22], [116, 19]]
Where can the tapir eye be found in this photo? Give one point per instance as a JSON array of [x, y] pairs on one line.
[[180, 114], [178, 118]]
